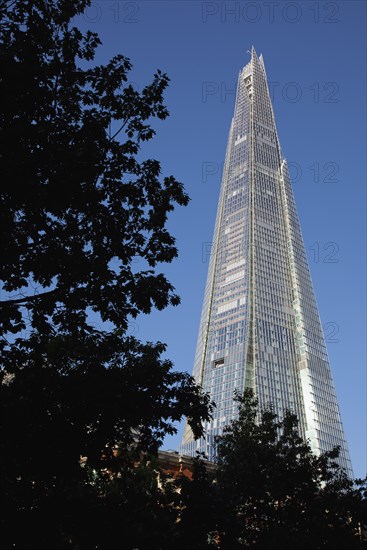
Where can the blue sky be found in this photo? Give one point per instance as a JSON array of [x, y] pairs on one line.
[[314, 55]]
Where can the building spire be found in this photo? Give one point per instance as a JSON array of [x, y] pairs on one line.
[[260, 326]]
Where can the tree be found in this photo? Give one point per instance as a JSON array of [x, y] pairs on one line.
[[77, 205], [277, 494], [198, 511], [83, 223]]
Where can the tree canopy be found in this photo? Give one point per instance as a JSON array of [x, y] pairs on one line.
[[83, 221], [273, 492], [268, 491], [77, 204]]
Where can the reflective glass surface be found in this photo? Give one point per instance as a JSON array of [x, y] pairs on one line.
[[260, 326]]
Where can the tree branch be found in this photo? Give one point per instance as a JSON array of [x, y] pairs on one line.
[[118, 131], [26, 298]]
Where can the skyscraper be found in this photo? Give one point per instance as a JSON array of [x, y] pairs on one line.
[[260, 326]]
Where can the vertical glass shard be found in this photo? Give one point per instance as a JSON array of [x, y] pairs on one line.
[[260, 326]]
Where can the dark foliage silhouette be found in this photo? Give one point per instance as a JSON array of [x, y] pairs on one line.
[[83, 222]]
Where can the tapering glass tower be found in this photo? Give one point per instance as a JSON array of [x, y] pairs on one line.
[[260, 326]]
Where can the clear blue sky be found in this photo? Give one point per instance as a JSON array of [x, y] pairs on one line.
[[315, 59]]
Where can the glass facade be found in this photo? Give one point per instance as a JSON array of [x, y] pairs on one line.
[[260, 326]]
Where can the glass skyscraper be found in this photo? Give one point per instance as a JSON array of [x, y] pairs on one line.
[[260, 326]]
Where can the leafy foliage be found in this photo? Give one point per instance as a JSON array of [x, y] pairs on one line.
[[277, 494], [78, 206], [197, 505], [83, 221], [268, 491]]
